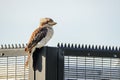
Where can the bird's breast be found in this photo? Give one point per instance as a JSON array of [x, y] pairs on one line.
[[49, 33], [47, 37]]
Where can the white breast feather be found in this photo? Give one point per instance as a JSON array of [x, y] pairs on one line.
[[46, 38]]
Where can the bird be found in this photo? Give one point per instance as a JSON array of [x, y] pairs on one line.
[[40, 36]]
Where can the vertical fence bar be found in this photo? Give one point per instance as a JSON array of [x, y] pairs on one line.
[[16, 68], [85, 68], [60, 66], [94, 67], [7, 68], [68, 66], [110, 66], [24, 67], [102, 68], [77, 67]]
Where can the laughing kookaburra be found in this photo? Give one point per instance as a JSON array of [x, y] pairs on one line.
[[41, 35]]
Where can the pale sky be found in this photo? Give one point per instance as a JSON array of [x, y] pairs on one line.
[[79, 21]]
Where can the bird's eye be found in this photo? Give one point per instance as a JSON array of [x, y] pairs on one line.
[[47, 22]]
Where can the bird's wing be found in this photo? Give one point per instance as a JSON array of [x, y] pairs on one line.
[[37, 36]]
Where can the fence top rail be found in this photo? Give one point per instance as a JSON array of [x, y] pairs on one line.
[[90, 50], [12, 46], [68, 49], [89, 47], [61, 45], [12, 50]]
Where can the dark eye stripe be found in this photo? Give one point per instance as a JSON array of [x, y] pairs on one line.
[[50, 20]]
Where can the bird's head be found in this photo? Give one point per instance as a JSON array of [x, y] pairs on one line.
[[47, 21]]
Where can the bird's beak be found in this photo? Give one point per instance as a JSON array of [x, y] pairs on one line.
[[53, 23]]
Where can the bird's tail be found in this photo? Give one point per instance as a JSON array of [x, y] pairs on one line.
[[28, 51]]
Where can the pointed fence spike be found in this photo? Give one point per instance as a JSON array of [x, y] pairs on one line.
[[19, 46], [23, 46], [96, 47], [76, 46], [113, 48], [26, 44], [9, 46], [85, 46], [106, 48], [109, 48], [58, 45], [72, 46], [16, 46], [99, 47], [82, 46], [116, 48], [12, 46], [65, 45], [68, 45], [61, 45], [89, 47], [92, 46], [1, 46], [102, 47], [79, 46], [5, 46]]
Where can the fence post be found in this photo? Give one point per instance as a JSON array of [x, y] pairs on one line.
[[37, 64], [44, 63]]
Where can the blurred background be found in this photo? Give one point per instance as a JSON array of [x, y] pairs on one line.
[[79, 21]]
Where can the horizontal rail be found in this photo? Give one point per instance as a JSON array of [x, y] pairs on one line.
[[89, 50], [12, 52], [89, 47], [90, 53]]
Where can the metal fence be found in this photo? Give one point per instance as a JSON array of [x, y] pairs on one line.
[[91, 63], [12, 58], [65, 62], [78, 62]]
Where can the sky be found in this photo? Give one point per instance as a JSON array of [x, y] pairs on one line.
[[94, 22]]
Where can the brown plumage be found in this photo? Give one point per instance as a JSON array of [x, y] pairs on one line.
[[42, 35]]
